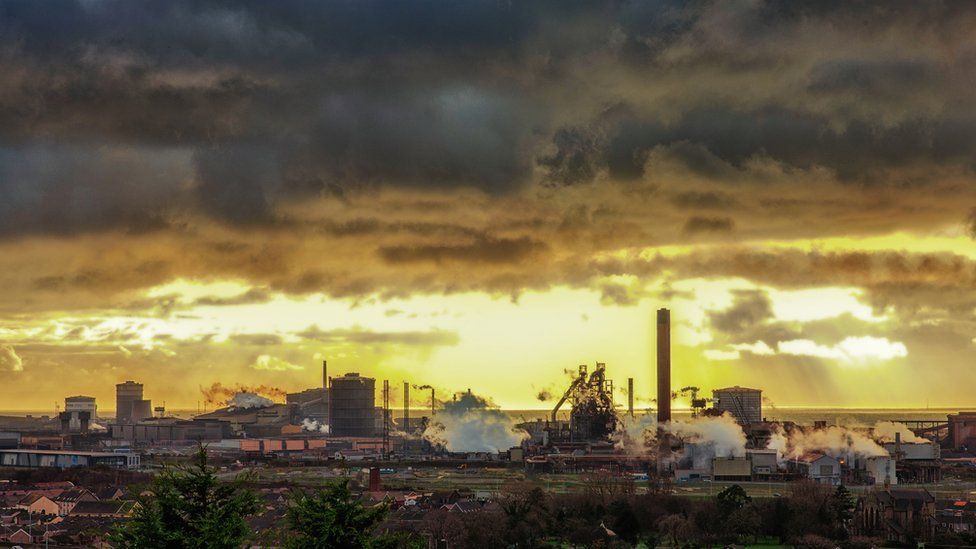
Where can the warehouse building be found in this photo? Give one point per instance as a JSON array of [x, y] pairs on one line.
[[64, 459]]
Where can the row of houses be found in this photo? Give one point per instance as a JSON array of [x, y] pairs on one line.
[[59, 512]]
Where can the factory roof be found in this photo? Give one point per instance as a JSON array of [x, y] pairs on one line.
[[811, 457], [64, 453], [736, 389]]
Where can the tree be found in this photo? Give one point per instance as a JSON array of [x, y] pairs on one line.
[[745, 523], [843, 504], [623, 520], [675, 528], [189, 508], [446, 526], [732, 499], [332, 517], [524, 505]]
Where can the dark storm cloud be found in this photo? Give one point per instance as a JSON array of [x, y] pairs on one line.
[[971, 223], [61, 190], [700, 224], [274, 102], [259, 340], [353, 148], [483, 250], [749, 309], [254, 295], [695, 200]]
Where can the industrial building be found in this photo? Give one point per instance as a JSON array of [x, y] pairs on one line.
[[141, 409], [732, 469], [917, 462], [592, 417], [64, 459], [352, 406], [9, 439], [81, 403], [765, 463], [266, 421], [126, 395], [79, 412], [313, 403], [74, 422], [744, 404], [962, 430], [170, 430], [818, 467]]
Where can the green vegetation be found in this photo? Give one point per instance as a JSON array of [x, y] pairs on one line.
[[333, 517], [189, 508]]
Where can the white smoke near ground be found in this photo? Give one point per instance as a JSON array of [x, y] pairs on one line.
[[314, 426], [635, 435], [884, 431], [243, 401], [709, 437], [835, 441], [471, 424], [778, 442]]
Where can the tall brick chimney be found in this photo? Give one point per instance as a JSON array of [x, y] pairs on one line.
[[663, 366]]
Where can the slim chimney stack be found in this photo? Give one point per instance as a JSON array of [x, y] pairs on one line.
[[406, 407], [630, 396], [325, 374], [663, 366]]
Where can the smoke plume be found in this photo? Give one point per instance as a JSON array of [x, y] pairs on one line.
[[710, 437], [309, 424], [244, 401], [471, 424], [635, 435], [835, 441], [220, 395], [778, 442], [884, 431]]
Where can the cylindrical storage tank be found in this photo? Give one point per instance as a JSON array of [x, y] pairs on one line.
[[353, 405]]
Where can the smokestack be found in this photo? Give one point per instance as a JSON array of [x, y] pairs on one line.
[[630, 396], [325, 374], [406, 407], [374, 479], [663, 366], [386, 417]]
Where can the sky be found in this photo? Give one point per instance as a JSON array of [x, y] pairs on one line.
[[487, 194]]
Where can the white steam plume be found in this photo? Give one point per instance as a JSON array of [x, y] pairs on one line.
[[249, 400], [635, 435], [309, 424], [837, 442], [778, 442], [712, 436], [469, 424], [884, 431]]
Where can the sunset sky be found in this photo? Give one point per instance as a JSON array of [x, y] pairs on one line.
[[485, 194]]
